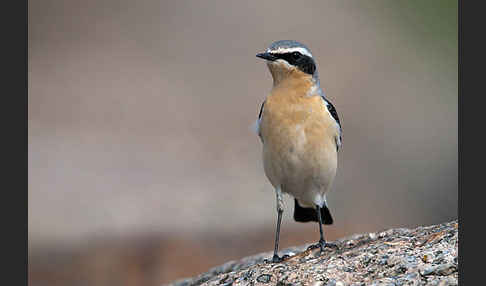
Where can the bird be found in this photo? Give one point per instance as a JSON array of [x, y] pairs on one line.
[[301, 135]]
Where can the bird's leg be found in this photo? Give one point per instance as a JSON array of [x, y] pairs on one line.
[[322, 242], [278, 192]]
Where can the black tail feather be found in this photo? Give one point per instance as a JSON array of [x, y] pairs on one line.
[[309, 214]]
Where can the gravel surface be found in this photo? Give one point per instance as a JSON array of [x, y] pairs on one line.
[[420, 256]]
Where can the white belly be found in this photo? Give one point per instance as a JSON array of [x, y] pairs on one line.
[[301, 168]]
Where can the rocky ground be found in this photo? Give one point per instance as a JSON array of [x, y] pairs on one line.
[[420, 256]]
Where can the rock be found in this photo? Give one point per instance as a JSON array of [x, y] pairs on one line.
[[264, 278], [442, 270], [420, 256]]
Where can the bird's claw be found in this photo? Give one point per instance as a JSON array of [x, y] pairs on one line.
[[322, 245], [277, 259]]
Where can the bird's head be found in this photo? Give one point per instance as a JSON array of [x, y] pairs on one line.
[[288, 57]]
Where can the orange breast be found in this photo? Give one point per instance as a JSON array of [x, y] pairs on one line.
[[299, 138]]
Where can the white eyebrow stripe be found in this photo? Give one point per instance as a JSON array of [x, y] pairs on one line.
[[290, 50]]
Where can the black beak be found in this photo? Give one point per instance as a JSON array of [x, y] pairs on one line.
[[267, 56]]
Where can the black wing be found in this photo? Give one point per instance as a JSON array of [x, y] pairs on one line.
[[334, 115], [258, 121], [261, 110]]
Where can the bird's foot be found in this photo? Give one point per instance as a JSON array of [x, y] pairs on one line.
[[322, 244], [277, 259]]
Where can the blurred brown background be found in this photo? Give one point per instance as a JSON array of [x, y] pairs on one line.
[[143, 167]]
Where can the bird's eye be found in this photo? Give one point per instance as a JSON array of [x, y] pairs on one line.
[[295, 55]]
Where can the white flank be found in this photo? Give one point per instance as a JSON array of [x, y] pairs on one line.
[[256, 127]]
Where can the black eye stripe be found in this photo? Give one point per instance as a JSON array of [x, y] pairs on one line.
[[303, 62], [291, 58]]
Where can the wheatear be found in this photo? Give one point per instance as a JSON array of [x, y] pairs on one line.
[[301, 136]]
